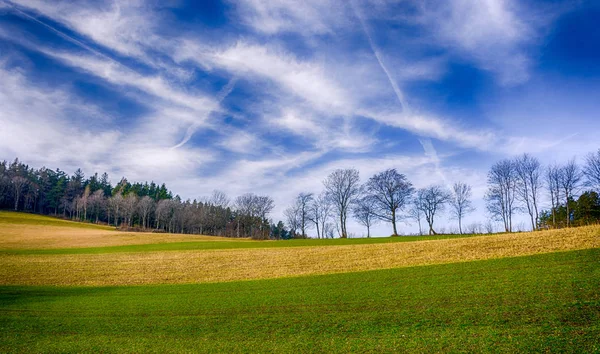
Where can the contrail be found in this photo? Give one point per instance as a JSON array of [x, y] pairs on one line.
[[432, 153], [225, 91], [66, 36], [425, 143], [375, 50]]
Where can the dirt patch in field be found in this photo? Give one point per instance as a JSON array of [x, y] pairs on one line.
[[18, 236], [242, 264]]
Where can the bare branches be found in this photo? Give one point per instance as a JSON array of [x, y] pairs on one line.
[[500, 197], [390, 191], [461, 202], [529, 181], [364, 212], [570, 179], [430, 201], [592, 170], [342, 188], [320, 212]]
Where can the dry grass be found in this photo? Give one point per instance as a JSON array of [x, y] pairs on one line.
[[19, 236], [242, 264]]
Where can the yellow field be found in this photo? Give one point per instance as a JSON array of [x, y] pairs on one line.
[[23, 236], [197, 266]]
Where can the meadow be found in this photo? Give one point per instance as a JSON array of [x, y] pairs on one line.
[[136, 292]]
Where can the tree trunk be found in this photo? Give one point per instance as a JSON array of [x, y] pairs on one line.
[[431, 230], [394, 222]]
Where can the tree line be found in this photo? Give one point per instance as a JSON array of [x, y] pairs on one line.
[[143, 206], [514, 186]]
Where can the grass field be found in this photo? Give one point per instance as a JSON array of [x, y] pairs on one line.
[[530, 292]]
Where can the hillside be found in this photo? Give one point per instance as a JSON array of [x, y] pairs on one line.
[[510, 292]]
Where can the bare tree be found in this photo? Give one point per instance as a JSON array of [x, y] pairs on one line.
[[390, 192], [145, 206], [84, 201], [432, 200], [320, 212], [292, 216], [303, 201], [461, 202], [129, 205], [328, 230], [115, 204], [164, 213], [364, 212], [253, 209], [592, 170], [97, 203], [342, 187], [500, 197], [553, 185], [264, 206], [415, 213], [529, 182], [570, 177], [18, 183], [220, 199]]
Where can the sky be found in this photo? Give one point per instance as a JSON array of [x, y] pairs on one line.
[[271, 96]]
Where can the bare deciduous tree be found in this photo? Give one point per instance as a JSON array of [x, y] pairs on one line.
[[570, 177], [500, 197], [553, 185], [18, 183], [163, 214], [292, 217], [320, 212], [97, 203], [145, 207], [129, 205], [461, 202], [592, 170], [253, 210], [529, 182], [390, 192], [219, 199], [364, 212], [85, 201], [415, 213], [303, 201], [116, 205], [342, 187], [430, 201]]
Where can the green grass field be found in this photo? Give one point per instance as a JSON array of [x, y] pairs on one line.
[[529, 304], [540, 303]]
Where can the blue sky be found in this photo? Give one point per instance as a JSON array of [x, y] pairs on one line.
[[271, 96]]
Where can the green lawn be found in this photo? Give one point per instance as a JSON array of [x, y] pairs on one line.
[[537, 303]]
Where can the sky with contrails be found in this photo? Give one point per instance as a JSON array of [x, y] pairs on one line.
[[271, 96]]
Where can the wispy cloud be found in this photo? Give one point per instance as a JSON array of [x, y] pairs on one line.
[[309, 90], [377, 53]]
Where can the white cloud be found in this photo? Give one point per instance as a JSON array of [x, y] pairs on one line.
[[307, 80], [37, 127], [310, 17], [493, 33], [318, 97], [120, 26]]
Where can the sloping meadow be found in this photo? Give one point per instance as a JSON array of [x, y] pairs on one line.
[[180, 266]]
